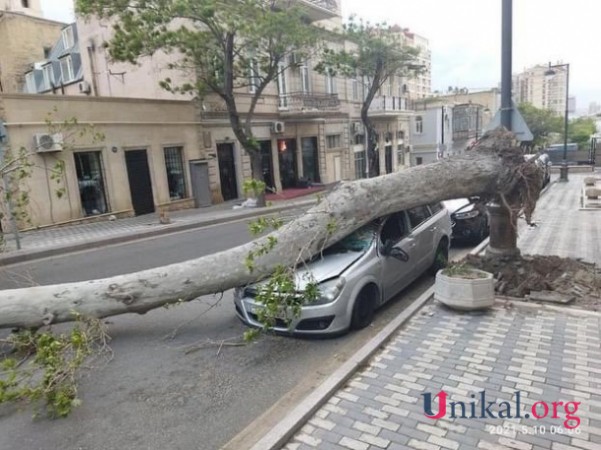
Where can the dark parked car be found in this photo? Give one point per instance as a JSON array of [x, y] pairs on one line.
[[469, 218]]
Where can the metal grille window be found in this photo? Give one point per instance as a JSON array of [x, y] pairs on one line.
[[174, 165], [90, 178]]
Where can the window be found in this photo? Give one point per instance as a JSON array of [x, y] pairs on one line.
[[435, 207], [68, 40], [333, 141], [400, 155], [174, 165], [360, 165], [90, 178], [394, 229], [419, 124], [282, 87], [304, 76], [419, 161], [330, 83], [418, 215], [48, 76], [67, 69], [253, 76], [355, 88], [25, 3], [30, 85]]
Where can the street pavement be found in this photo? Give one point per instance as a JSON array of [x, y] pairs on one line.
[[547, 354]]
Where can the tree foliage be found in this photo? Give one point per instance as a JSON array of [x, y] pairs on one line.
[[375, 55], [581, 129], [228, 47], [541, 122]]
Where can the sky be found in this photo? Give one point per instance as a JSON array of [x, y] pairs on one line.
[[465, 37]]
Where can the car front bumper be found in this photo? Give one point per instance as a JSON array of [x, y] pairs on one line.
[[316, 320]]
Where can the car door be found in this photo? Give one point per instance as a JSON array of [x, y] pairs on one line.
[[395, 274], [422, 231]]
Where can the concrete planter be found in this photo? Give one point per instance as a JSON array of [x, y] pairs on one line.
[[465, 293]]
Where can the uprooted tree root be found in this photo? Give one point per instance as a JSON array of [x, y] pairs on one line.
[[522, 276]]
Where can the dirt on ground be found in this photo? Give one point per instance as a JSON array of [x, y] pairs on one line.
[[548, 279]]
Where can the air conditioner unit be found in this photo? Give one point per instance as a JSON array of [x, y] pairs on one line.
[[277, 127], [45, 143], [84, 87]]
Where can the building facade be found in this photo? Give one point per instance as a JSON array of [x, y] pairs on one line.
[[165, 151], [25, 37], [535, 86]]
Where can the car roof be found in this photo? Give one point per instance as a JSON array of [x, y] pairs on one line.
[[455, 204]]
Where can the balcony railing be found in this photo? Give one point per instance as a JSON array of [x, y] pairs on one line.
[[300, 102], [319, 9], [389, 105]]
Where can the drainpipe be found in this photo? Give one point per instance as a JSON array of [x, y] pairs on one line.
[[91, 51]]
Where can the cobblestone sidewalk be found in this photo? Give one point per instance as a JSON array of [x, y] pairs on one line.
[[545, 355]]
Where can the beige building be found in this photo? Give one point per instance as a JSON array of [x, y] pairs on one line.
[[420, 86], [152, 155], [28, 7], [307, 124], [25, 38], [536, 87]]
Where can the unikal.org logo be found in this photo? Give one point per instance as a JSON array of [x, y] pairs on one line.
[[438, 406]]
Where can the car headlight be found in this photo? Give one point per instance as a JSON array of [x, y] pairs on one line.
[[467, 215], [329, 291]]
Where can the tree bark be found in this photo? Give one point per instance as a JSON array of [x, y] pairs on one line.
[[488, 170]]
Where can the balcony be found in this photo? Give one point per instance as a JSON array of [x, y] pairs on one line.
[[388, 106], [319, 9], [308, 105]]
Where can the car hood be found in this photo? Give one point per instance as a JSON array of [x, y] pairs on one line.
[[322, 268], [327, 266]]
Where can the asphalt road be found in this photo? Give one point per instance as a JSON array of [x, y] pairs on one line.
[[175, 380]]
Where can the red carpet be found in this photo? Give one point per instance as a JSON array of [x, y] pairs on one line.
[[287, 194]]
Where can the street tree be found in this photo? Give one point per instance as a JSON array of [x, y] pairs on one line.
[[581, 129], [494, 167], [376, 54], [233, 49]]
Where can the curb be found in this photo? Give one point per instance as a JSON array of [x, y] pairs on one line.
[[15, 256], [285, 429]]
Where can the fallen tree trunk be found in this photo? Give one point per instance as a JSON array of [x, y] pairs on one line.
[[491, 168]]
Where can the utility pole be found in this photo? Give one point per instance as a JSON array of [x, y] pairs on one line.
[[502, 221]]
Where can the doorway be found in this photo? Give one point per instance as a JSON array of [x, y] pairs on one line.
[[201, 188], [287, 160], [140, 184], [227, 171], [310, 159], [267, 165], [388, 158]]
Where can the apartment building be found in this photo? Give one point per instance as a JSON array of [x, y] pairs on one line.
[[420, 86], [25, 37], [536, 86], [307, 125]]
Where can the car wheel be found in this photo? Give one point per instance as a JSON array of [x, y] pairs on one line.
[[441, 258], [364, 309]]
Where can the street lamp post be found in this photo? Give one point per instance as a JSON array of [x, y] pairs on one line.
[[563, 170]]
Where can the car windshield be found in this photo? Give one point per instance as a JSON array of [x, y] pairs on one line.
[[358, 241]]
